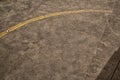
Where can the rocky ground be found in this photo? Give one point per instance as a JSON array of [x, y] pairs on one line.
[[68, 47]]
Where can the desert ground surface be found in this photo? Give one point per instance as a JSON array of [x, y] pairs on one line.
[[74, 46]]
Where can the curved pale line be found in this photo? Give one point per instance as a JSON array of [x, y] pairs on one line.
[[21, 24]]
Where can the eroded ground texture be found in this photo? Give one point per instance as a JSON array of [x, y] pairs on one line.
[[67, 47]]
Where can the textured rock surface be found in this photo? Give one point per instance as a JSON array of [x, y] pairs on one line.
[[68, 47]]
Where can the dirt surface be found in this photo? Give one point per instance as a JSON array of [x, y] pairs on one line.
[[67, 47]]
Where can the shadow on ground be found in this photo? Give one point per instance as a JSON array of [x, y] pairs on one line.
[[110, 70]]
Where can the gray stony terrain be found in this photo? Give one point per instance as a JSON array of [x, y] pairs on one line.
[[68, 47]]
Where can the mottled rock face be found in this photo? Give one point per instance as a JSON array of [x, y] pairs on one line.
[[67, 47]]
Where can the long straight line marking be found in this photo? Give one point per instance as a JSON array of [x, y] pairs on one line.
[[21, 24]]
